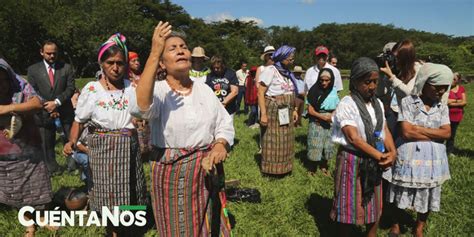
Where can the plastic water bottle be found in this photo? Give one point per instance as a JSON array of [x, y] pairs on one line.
[[379, 141], [57, 123]]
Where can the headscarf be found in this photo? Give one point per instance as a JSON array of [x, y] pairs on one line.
[[433, 74], [132, 55], [116, 39], [317, 94], [370, 171], [281, 54]]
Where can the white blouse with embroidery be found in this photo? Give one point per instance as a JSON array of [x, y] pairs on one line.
[[189, 121], [347, 114], [276, 83], [109, 109]]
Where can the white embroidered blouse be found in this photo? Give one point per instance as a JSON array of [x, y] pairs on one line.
[[109, 109]]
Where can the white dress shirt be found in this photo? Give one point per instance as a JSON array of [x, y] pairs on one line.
[[312, 76], [241, 76], [47, 65]]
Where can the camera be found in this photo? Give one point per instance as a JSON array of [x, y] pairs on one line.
[[389, 57]]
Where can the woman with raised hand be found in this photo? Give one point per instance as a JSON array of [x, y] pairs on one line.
[[114, 154], [366, 148], [191, 135], [422, 164], [323, 100], [278, 113]]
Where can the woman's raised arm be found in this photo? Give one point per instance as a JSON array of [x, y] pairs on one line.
[[147, 80]]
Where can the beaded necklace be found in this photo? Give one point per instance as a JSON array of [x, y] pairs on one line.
[[111, 94], [181, 93]]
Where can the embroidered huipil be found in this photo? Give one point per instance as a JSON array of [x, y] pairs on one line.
[[109, 109]]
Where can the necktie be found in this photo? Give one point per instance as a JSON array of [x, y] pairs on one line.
[[51, 76]]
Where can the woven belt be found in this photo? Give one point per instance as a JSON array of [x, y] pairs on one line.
[[121, 132]]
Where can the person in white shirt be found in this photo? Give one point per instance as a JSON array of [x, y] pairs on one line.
[[266, 57], [366, 148], [114, 154], [276, 99], [191, 135], [242, 74], [199, 71], [312, 73], [400, 82]]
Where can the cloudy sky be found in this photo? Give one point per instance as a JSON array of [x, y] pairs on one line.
[[452, 17]]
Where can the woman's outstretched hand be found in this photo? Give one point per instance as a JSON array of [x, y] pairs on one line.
[[144, 91], [162, 30]]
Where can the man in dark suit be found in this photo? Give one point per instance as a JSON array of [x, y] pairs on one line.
[[54, 82]]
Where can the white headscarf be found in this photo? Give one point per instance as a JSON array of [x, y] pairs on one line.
[[433, 74]]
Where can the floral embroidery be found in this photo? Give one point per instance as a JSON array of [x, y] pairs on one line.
[[120, 106], [92, 89]]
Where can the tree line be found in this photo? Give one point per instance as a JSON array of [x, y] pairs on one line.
[[79, 27]]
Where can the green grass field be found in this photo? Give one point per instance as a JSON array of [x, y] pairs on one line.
[[298, 205]]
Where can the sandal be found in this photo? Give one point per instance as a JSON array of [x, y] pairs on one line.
[[326, 172]]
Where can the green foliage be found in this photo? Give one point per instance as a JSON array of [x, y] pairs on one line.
[[81, 26]]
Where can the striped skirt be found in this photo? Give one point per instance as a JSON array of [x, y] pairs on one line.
[[278, 141], [186, 201], [347, 204], [117, 170], [320, 146], [25, 183]]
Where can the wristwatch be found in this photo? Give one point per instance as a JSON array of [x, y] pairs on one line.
[[226, 145], [57, 102]]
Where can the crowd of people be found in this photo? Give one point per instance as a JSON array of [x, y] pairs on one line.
[[388, 135]]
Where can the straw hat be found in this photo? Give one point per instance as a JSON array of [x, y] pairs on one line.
[[267, 50], [198, 52], [298, 69]]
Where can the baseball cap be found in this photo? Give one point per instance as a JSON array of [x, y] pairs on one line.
[[321, 49]]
